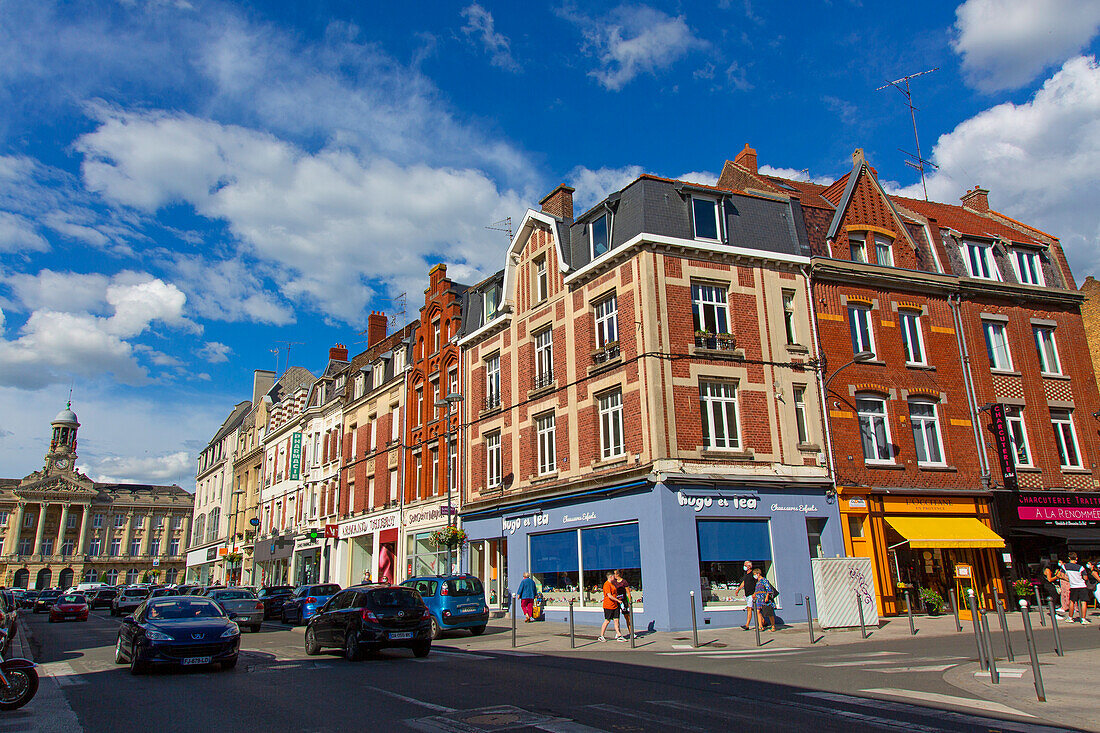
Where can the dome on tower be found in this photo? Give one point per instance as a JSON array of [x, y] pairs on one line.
[[66, 416]]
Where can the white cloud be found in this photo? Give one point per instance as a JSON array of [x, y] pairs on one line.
[[1005, 44], [635, 40], [794, 175], [706, 178], [1040, 161], [480, 24], [163, 469], [593, 185], [229, 290], [215, 352], [18, 234], [59, 291]]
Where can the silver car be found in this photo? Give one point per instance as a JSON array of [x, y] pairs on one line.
[[242, 602]]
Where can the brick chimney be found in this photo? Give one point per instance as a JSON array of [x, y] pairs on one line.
[[339, 352], [747, 159], [559, 203], [977, 199], [377, 324]]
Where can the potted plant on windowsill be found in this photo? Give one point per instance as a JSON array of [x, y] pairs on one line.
[[932, 601], [704, 339], [725, 341]]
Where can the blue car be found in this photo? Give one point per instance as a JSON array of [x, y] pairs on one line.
[[455, 602], [306, 601]]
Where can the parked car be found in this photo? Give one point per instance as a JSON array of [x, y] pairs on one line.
[[305, 601], [249, 609], [178, 631], [45, 600], [101, 597], [29, 597], [160, 592], [184, 590], [85, 587], [367, 618], [456, 602], [69, 605], [273, 597], [127, 600]]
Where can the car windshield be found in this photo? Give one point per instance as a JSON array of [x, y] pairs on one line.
[[464, 587], [266, 592], [232, 595], [182, 608], [393, 598], [49, 594], [73, 598], [324, 590], [135, 593]]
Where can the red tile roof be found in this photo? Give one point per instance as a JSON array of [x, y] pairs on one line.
[[966, 221]]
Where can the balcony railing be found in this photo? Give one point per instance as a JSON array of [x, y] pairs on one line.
[[492, 401], [609, 352], [545, 379], [717, 342]]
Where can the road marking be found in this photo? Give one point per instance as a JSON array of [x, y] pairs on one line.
[[1010, 672], [515, 654], [963, 702], [732, 652], [873, 662], [909, 710], [661, 720], [924, 668], [457, 653], [413, 700]]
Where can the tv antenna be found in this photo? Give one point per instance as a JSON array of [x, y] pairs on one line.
[[400, 303], [276, 351], [504, 225], [917, 161]]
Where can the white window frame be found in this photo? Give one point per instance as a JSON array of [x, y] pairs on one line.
[[1062, 420], [436, 333], [492, 380], [393, 485], [544, 354], [612, 439], [912, 335], [857, 243], [721, 431], [606, 217], [715, 207], [929, 428], [1048, 350], [494, 469], [979, 259], [866, 340], [546, 439], [395, 420], [452, 380], [607, 320], [884, 244], [996, 345], [801, 420], [710, 307], [1017, 435], [872, 417], [452, 464], [790, 330], [542, 279], [1028, 266], [489, 305], [433, 484]]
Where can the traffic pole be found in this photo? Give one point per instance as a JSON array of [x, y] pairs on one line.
[[694, 627], [513, 622], [994, 677], [572, 635], [955, 610], [1040, 692], [909, 610], [1039, 606], [862, 622], [1002, 617], [809, 620], [1054, 628], [756, 614], [974, 615]]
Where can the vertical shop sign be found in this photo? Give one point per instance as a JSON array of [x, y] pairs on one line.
[[295, 456], [999, 426]]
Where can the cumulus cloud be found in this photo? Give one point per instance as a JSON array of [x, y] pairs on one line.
[[163, 469], [1040, 161], [481, 27], [230, 290], [794, 175], [635, 40], [215, 352], [594, 184], [1005, 44]]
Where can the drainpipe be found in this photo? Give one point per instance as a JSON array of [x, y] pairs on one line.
[[829, 465], [968, 380], [399, 558]]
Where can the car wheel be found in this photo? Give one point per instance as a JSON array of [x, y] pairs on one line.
[[229, 664], [284, 618], [477, 630], [421, 649], [436, 630], [136, 667], [312, 648], [120, 658], [352, 652], [255, 628]]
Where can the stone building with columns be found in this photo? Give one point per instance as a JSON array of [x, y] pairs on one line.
[[61, 527]]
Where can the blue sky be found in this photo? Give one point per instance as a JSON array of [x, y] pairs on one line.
[[186, 184]]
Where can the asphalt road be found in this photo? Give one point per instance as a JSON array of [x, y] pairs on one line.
[[874, 686]]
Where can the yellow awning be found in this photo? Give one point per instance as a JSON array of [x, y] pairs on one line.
[[945, 532]]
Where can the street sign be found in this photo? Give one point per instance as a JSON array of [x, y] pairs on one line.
[[447, 510], [156, 562], [295, 456], [332, 531]]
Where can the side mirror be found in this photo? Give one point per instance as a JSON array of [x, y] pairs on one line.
[[232, 615], [129, 620]]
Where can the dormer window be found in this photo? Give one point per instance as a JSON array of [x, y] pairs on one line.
[[600, 233], [884, 254], [857, 247], [979, 260], [489, 304], [1029, 269], [704, 214]]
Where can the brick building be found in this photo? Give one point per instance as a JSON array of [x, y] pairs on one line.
[[640, 395], [962, 313]]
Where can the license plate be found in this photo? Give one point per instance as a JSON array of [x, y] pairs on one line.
[[401, 635], [467, 609], [195, 660]]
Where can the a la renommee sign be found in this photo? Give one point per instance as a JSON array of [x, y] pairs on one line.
[[1058, 508]]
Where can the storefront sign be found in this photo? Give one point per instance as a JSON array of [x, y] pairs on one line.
[[510, 526], [799, 508], [698, 503], [423, 516], [295, 456], [999, 426], [332, 531], [368, 525], [857, 502], [928, 505], [586, 517], [1058, 508], [212, 553]]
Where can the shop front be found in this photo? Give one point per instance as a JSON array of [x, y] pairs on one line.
[[422, 556], [307, 560], [675, 542], [1047, 525], [203, 564], [940, 543], [271, 560], [365, 549]]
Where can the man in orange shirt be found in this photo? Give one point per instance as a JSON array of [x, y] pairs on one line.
[[610, 607]]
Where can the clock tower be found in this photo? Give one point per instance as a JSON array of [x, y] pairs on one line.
[[62, 453]]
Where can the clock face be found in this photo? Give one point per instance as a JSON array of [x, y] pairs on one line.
[[61, 463]]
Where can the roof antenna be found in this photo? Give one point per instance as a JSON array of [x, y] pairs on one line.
[[917, 161], [504, 225]]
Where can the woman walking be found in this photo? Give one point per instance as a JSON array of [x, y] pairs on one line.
[[763, 600]]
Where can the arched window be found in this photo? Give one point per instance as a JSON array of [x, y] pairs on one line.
[[874, 428], [112, 577], [170, 575]]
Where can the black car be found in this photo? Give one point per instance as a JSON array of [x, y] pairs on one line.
[[179, 631], [161, 592], [28, 599], [367, 618], [44, 601], [101, 597], [127, 600], [273, 598]]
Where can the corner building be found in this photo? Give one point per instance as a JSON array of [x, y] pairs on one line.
[[640, 395]]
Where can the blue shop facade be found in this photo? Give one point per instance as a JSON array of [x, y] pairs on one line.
[[678, 542]]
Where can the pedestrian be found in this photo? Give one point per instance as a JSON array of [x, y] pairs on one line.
[[763, 600], [748, 585], [526, 594], [1093, 579], [366, 577], [1048, 578], [1063, 587], [1078, 589], [622, 593], [610, 608]]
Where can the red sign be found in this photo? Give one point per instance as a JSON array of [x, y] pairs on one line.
[[332, 531]]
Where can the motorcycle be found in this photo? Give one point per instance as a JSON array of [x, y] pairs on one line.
[[18, 680]]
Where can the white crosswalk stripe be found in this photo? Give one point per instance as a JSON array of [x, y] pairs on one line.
[[924, 698]]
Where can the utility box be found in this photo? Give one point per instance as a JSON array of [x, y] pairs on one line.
[[837, 583]]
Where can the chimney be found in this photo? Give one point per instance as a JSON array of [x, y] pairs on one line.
[[858, 157], [747, 159], [339, 352], [978, 199], [559, 203], [376, 327]]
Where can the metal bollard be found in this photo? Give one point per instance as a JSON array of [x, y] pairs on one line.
[[1054, 628], [955, 610], [630, 627], [572, 632], [909, 610], [976, 617], [1039, 607], [756, 624], [994, 677], [1036, 673], [513, 622], [1002, 618], [862, 623], [809, 620], [694, 627]]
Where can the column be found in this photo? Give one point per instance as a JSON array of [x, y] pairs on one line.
[[11, 544], [61, 529], [146, 534], [81, 543], [41, 531]]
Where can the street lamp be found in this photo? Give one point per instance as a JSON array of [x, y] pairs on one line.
[[858, 358], [448, 402], [236, 498]]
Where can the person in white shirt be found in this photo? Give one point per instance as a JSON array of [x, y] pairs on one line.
[[1078, 590]]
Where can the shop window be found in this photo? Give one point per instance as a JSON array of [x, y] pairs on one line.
[[874, 431], [424, 557], [855, 527], [555, 565], [603, 549], [815, 527], [724, 546]]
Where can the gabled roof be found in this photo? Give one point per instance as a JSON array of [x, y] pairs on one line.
[[291, 380], [969, 222], [232, 422]]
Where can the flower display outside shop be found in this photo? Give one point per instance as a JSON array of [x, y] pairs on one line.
[[448, 537]]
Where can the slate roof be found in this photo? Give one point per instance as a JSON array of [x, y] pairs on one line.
[[472, 302], [235, 418], [291, 380]]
